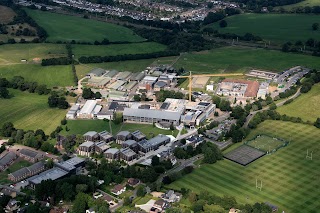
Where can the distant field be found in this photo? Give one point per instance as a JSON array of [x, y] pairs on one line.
[[83, 126], [117, 49], [235, 59], [306, 106], [30, 112], [66, 28], [278, 28], [286, 174], [6, 14], [305, 3], [13, 53], [49, 75], [131, 65]]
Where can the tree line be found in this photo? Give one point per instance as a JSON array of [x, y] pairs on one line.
[[101, 59], [300, 46], [256, 5]]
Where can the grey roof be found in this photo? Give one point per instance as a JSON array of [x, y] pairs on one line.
[[105, 134], [153, 141], [130, 142], [7, 158], [138, 134], [112, 151], [160, 84], [70, 164], [97, 71], [20, 172], [123, 133], [137, 76], [111, 73], [124, 75], [90, 133], [52, 174], [150, 113], [36, 166], [128, 152], [87, 144], [29, 153]]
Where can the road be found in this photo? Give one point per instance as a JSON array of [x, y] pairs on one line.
[[79, 90], [252, 114], [119, 201]]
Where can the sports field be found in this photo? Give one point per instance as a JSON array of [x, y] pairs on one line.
[[83, 126], [117, 49], [289, 180], [49, 75], [237, 59], [306, 106], [278, 28], [67, 28], [266, 143], [30, 112], [13, 53]]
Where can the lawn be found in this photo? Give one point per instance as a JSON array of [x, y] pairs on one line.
[[117, 49], [13, 53], [49, 75], [236, 59], [277, 28], [14, 167], [131, 65], [83, 126], [306, 106], [290, 181], [67, 28], [30, 112]]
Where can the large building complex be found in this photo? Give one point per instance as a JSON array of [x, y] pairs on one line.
[[238, 88]]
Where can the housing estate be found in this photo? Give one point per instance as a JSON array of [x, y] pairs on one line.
[[26, 172], [6, 160], [30, 155]]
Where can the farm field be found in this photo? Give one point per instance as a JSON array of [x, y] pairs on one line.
[[67, 28], [83, 126], [13, 53], [49, 75], [131, 65], [116, 49], [278, 28], [30, 112], [306, 106], [305, 3], [283, 173], [236, 59], [6, 14]]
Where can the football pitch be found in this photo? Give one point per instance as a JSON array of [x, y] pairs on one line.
[[266, 143], [289, 180]]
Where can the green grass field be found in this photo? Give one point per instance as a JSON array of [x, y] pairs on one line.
[[13, 53], [49, 75], [117, 49], [306, 106], [236, 59], [290, 181], [305, 3], [278, 28], [30, 112], [67, 28], [14, 167], [83, 126]]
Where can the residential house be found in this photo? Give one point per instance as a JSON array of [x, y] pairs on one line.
[[118, 189], [112, 154], [101, 147], [12, 206], [123, 136], [105, 136], [131, 144], [86, 148], [171, 197], [91, 210], [161, 205], [133, 182], [26, 172], [31, 155], [6, 160], [127, 154], [138, 136], [91, 136]]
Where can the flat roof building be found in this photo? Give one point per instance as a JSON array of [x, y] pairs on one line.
[[153, 144], [72, 166], [96, 72], [87, 109], [51, 174]]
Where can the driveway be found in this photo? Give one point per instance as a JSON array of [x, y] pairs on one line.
[[146, 207]]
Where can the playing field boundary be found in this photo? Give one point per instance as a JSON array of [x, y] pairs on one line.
[[284, 143]]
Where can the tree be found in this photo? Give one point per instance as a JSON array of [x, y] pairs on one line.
[[317, 123], [80, 203], [49, 164], [97, 95], [155, 161], [4, 92], [87, 93], [223, 23], [315, 26], [126, 201], [41, 133], [140, 191], [285, 48], [136, 98], [7, 129], [63, 122]]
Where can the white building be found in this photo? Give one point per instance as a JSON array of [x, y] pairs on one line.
[[87, 110], [72, 113]]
